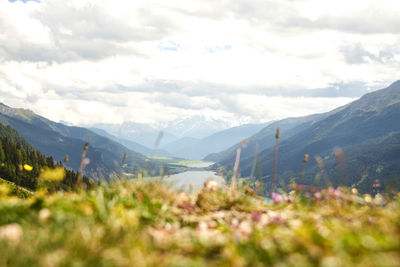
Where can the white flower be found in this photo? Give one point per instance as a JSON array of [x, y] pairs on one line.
[[211, 185], [11, 233], [245, 228], [44, 215], [202, 227]]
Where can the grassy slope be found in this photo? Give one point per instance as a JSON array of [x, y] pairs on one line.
[[15, 189], [146, 224]]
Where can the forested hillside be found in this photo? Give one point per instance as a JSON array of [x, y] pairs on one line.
[[58, 140], [22, 164]]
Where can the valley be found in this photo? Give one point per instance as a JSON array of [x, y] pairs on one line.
[[366, 130]]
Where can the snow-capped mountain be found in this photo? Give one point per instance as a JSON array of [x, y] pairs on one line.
[[197, 127]]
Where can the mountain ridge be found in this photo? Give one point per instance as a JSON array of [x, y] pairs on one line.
[[194, 148], [58, 140], [362, 125]]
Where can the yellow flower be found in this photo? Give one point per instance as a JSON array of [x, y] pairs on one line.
[[28, 168], [4, 189], [52, 175]]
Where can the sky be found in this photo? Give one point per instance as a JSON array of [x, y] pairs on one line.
[[241, 61]]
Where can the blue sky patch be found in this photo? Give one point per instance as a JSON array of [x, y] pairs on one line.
[[169, 46], [213, 49]]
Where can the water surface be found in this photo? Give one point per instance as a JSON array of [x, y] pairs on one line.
[[194, 178], [200, 165]]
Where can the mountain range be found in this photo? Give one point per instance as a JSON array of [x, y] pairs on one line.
[[108, 151], [58, 140], [191, 144], [140, 133], [355, 144], [199, 126], [142, 149], [195, 148]]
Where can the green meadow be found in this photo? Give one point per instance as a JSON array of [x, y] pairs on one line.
[[135, 223]]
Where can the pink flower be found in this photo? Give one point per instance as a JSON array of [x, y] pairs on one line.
[[334, 192], [277, 198], [256, 216], [286, 199]]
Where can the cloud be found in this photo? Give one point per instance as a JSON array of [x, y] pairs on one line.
[[357, 54], [25, 1], [73, 32], [88, 61]]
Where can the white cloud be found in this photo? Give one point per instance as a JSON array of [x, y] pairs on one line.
[[87, 61]]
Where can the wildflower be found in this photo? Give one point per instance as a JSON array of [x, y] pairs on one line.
[[202, 226], [211, 184], [44, 215], [140, 196], [277, 198], [11, 233], [292, 196], [52, 175], [317, 195], [368, 198], [28, 168], [286, 199], [86, 161], [333, 192], [354, 191], [235, 222], [245, 228], [256, 216], [378, 200]]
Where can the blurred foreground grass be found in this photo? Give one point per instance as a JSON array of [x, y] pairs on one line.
[[130, 223]]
